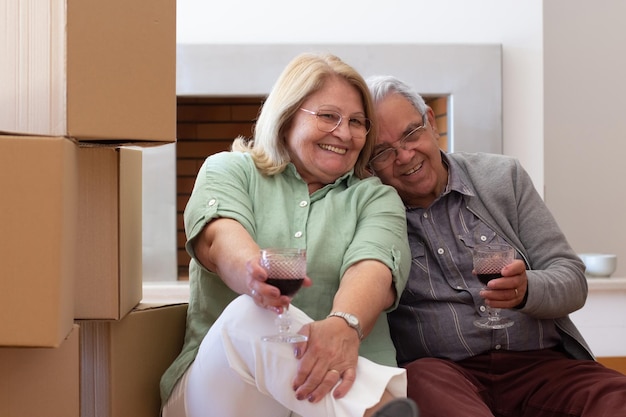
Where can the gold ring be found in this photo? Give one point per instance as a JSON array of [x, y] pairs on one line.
[[253, 293], [334, 370], [516, 293]]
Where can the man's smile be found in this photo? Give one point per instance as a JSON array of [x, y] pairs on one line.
[[414, 169]]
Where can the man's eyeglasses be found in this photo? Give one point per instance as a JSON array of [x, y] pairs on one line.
[[384, 156], [329, 120]]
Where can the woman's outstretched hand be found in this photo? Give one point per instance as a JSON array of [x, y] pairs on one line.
[[329, 357], [263, 294]]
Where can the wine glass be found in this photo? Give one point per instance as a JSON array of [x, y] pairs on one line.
[[286, 269], [489, 259]]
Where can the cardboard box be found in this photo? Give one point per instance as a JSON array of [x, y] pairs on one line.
[[109, 265], [41, 381], [38, 220], [89, 69], [122, 361], [103, 368]]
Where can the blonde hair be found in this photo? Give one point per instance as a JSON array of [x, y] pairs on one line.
[[303, 76]]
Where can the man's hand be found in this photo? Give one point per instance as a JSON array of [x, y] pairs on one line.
[[508, 291]]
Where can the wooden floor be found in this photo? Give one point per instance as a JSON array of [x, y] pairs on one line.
[[616, 362]]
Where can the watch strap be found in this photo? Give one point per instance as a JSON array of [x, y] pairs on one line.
[[351, 320]]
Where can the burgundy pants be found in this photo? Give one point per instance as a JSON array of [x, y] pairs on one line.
[[542, 383]]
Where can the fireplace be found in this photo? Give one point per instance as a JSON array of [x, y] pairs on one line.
[[220, 89]]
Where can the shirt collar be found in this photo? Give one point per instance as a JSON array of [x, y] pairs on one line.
[[457, 179], [349, 178]]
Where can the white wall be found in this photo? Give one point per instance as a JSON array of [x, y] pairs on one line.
[[159, 261], [515, 24], [585, 126]]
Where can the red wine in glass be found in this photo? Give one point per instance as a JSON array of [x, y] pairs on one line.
[[485, 278], [286, 269], [287, 286], [488, 261]]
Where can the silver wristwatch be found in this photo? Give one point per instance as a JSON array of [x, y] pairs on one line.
[[351, 320]]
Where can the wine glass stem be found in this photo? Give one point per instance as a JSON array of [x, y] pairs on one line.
[[494, 314], [283, 321]]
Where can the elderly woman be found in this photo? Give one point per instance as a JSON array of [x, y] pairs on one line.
[[301, 182]]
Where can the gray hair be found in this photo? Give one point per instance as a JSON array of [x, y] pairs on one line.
[[383, 85]]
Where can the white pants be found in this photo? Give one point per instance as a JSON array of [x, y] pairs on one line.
[[236, 374]]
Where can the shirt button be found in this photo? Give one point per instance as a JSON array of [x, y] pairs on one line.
[[483, 238], [211, 202], [303, 204], [298, 234], [425, 215], [459, 287], [440, 251], [482, 309], [498, 347]]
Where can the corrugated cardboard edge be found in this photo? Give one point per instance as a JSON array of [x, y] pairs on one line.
[[150, 306], [123, 361], [130, 225]]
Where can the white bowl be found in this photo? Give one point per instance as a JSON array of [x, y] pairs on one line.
[[599, 265]]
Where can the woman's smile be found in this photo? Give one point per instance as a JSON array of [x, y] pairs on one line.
[[332, 148]]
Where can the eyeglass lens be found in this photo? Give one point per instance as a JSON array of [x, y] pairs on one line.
[[385, 157], [329, 120]]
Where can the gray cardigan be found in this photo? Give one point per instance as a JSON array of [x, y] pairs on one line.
[[506, 199]]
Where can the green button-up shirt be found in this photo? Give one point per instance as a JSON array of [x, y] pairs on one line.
[[341, 224]]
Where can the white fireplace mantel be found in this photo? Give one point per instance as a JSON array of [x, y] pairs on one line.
[[470, 75]]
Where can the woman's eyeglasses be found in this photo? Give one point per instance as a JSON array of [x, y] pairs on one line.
[[329, 120]]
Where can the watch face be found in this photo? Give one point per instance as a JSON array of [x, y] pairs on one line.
[[351, 320]]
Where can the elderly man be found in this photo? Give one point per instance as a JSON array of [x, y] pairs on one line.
[[538, 367]]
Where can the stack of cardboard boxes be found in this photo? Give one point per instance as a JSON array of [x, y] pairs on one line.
[[85, 85]]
